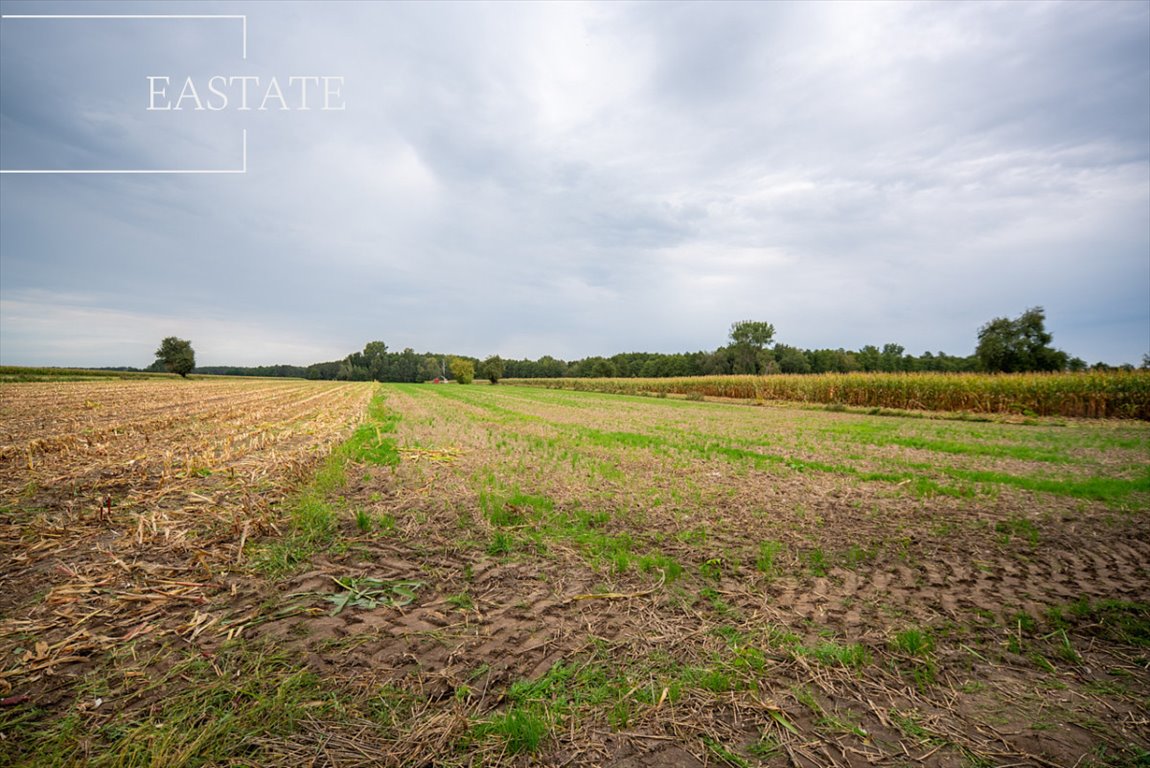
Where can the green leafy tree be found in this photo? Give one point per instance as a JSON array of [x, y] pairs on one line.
[[492, 369], [869, 358], [349, 371], [463, 370], [355, 367], [718, 363], [406, 366], [1019, 345], [748, 340], [791, 359], [602, 368], [176, 355], [551, 367], [375, 360], [891, 359], [823, 360], [431, 368]]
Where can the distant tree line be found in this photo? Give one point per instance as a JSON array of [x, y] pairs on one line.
[[780, 358], [1004, 345], [286, 371]]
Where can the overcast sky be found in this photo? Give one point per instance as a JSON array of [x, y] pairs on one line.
[[573, 179]]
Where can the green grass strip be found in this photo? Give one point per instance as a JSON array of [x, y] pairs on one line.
[[313, 510], [1093, 488]]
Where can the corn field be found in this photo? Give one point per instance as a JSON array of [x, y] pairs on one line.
[[1120, 395]]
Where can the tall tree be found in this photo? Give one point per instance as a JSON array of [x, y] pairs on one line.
[[432, 367], [463, 370], [406, 366], [375, 359], [891, 359], [1021, 344], [492, 369], [176, 355], [748, 340], [869, 358]]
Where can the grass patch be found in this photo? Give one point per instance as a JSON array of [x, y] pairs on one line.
[[501, 544], [767, 560], [312, 521], [363, 521], [1019, 452], [514, 509], [521, 728], [313, 512], [583, 529], [817, 562], [669, 567], [916, 645], [207, 713], [1118, 620], [913, 642], [1111, 490], [832, 654], [805, 697], [369, 444], [536, 706], [856, 556], [1019, 527]]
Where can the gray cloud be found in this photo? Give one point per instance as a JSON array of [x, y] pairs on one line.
[[585, 179]]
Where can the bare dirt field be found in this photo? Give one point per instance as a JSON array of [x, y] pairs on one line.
[[506, 576]]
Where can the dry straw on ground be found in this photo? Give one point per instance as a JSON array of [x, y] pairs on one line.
[[598, 564]]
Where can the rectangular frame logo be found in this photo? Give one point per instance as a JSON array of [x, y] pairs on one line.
[[243, 19]]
